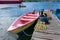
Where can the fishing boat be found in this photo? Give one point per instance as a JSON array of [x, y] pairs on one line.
[[23, 22]]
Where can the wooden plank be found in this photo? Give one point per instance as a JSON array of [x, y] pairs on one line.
[[52, 32]]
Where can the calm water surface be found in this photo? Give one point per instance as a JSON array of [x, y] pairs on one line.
[[9, 12], [13, 10]]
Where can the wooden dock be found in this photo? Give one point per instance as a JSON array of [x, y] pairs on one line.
[[51, 33]]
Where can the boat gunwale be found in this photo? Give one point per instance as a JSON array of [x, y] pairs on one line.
[[24, 24]]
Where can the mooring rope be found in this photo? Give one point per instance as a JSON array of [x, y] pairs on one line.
[[27, 34]]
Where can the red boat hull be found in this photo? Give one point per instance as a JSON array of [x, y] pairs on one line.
[[23, 22], [10, 2]]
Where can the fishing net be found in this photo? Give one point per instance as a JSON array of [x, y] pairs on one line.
[[40, 26]]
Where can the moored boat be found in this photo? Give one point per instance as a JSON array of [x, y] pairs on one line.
[[23, 22], [10, 1]]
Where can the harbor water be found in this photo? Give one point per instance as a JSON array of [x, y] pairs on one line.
[[9, 12]]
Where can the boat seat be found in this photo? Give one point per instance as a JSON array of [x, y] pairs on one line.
[[25, 17], [24, 21], [19, 25], [28, 18], [30, 15]]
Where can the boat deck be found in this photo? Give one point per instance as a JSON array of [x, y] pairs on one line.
[[51, 33]]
